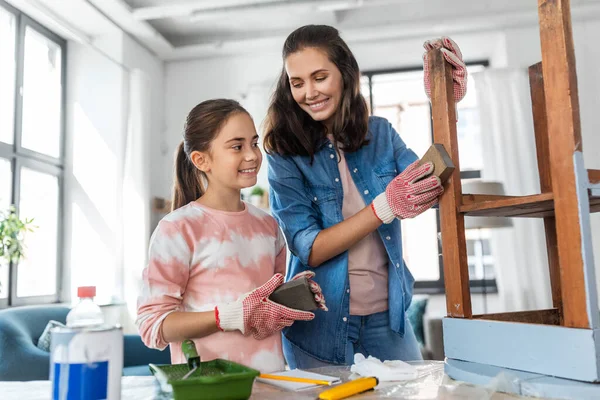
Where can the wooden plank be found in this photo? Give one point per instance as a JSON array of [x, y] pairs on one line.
[[540, 124], [532, 206], [564, 134], [545, 317], [454, 247], [594, 176], [468, 198], [543, 349], [508, 205]]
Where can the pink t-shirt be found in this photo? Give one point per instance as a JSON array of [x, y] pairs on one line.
[[200, 257], [367, 259]]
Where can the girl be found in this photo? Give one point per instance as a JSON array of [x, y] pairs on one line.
[[214, 260], [340, 181]]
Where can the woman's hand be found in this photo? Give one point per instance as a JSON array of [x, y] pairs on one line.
[[407, 196], [453, 55]]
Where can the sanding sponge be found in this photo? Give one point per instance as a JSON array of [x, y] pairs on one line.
[[442, 163], [295, 294]]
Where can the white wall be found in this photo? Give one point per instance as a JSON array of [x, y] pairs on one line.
[[136, 56], [97, 127], [96, 112]]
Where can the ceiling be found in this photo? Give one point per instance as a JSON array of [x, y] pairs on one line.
[[177, 29]]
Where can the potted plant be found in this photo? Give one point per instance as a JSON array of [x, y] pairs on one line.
[[256, 196], [12, 235]]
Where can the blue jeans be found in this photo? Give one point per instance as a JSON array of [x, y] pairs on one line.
[[370, 335]]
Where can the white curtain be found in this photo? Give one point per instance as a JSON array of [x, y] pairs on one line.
[[136, 189], [509, 155]]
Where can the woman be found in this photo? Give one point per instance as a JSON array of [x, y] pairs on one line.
[[340, 181]]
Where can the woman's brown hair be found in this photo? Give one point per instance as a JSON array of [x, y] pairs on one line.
[[202, 125], [291, 131]]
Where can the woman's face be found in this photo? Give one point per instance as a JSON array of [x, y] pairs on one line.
[[316, 83]]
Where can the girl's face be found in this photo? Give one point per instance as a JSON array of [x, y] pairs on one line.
[[234, 157], [316, 83]]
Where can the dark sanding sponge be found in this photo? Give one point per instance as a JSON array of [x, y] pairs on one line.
[[442, 164], [295, 294]]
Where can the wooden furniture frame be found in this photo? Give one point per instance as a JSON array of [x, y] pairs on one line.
[[562, 341]]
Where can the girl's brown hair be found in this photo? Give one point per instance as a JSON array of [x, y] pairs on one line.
[[291, 131], [202, 126]]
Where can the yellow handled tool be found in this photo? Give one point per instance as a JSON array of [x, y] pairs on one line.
[[349, 388], [294, 379]]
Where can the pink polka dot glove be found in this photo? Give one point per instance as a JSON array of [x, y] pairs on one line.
[[453, 55], [253, 313], [407, 196], [314, 287]]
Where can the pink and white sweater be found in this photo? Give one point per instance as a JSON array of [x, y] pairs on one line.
[[200, 257]]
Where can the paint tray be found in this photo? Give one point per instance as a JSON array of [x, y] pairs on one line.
[[216, 380]]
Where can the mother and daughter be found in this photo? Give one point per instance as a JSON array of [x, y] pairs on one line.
[[340, 182]]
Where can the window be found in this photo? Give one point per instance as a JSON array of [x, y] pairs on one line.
[[398, 95], [31, 152]]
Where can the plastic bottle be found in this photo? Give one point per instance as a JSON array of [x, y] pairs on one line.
[[86, 312]]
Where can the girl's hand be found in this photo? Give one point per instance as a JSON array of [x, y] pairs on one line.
[[253, 313], [453, 55], [406, 196], [314, 287]]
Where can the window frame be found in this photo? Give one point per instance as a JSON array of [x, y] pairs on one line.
[[484, 286], [21, 157]]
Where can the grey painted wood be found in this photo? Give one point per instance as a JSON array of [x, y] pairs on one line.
[[497, 379], [587, 250], [541, 349]]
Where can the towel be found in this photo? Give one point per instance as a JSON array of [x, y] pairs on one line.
[[395, 370]]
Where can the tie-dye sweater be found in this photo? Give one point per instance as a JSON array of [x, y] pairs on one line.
[[200, 257]]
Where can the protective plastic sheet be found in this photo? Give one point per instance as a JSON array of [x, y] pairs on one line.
[[430, 384]]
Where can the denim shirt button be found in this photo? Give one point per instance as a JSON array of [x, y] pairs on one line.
[[315, 199], [330, 145], [355, 170], [388, 238], [337, 179], [397, 265], [345, 319], [331, 156], [366, 192], [347, 290]]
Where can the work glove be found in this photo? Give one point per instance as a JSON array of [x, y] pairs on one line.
[[453, 55], [407, 195], [254, 314], [314, 287]]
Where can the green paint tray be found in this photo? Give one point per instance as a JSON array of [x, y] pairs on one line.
[[216, 380]]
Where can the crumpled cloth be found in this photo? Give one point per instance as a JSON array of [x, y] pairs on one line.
[[395, 370]]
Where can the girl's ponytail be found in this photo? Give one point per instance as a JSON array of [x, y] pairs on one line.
[[188, 180]]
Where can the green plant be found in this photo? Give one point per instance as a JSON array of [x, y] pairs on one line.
[[257, 191], [12, 232]]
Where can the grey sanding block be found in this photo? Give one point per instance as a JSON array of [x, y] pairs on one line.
[[295, 294], [442, 163]]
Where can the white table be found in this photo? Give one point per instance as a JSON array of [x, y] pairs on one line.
[[431, 384]]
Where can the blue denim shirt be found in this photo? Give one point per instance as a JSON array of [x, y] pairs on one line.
[[307, 198]]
